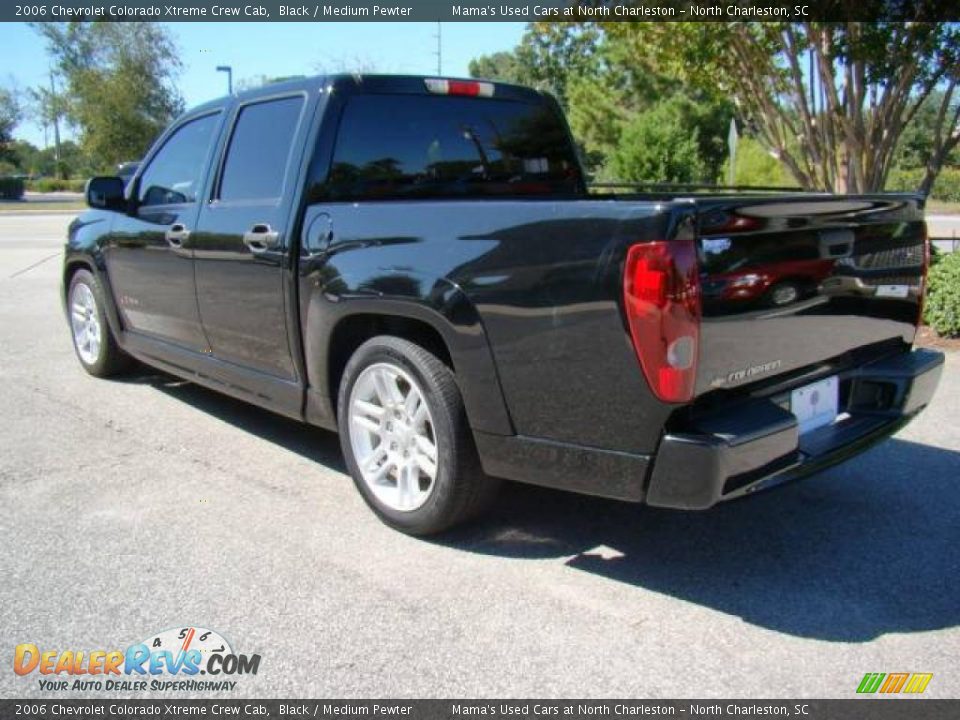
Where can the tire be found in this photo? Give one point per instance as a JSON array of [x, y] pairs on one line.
[[93, 342], [783, 294], [393, 438]]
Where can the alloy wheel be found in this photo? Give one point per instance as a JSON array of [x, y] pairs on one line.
[[392, 436], [85, 323]]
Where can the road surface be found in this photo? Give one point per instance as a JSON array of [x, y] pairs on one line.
[[134, 506]]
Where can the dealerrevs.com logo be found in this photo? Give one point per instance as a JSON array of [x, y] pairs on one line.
[[171, 660]]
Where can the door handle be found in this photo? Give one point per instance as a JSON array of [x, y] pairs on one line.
[[177, 234], [261, 237]]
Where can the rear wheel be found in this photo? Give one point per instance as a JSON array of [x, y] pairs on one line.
[[405, 437], [96, 348]]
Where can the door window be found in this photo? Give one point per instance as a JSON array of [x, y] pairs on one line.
[[259, 151], [174, 174]]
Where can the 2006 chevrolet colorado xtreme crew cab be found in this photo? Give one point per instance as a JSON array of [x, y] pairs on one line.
[[418, 264]]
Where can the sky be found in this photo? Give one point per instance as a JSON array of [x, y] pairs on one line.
[[276, 50]]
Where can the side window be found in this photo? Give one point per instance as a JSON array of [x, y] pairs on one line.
[[174, 174], [260, 149]]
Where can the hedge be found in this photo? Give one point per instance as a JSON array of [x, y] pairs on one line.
[[11, 188], [942, 308], [44, 185]]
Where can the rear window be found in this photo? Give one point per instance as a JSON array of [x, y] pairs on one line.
[[399, 146]]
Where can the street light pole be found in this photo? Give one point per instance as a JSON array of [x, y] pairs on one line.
[[229, 71]]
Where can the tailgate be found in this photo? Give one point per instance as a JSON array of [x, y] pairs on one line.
[[789, 282]]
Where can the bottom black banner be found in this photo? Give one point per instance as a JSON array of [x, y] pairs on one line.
[[854, 709]]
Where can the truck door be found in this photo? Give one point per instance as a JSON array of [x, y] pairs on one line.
[[148, 254], [242, 238]]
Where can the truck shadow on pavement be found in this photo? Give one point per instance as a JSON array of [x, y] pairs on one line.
[[862, 550], [310, 442], [865, 549]]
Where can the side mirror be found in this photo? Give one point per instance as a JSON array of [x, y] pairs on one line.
[[106, 193]]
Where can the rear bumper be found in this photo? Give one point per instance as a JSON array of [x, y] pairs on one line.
[[757, 444]]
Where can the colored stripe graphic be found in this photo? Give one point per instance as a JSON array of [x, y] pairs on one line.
[[913, 683], [870, 682], [894, 683], [918, 683]]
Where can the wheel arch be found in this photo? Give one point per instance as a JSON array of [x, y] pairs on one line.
[[70, 268], [355, 329], [74, 262], [452, 331]]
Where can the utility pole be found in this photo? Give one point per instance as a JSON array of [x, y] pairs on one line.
[[439, 50]]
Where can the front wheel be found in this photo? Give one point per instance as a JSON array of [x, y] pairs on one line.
[[784, 293], [93, 342], [406, 440]]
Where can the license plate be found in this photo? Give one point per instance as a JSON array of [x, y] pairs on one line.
[[893, 291], [815, 405]]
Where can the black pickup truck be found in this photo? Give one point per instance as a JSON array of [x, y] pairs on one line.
[[419, 264]]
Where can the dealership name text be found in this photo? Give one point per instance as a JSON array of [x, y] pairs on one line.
[[634, 11], [88, 12]]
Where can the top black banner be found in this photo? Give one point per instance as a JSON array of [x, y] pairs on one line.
[[487, 709], [478, 10]]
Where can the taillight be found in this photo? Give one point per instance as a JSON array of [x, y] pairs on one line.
[[472, 88], [661, 293]]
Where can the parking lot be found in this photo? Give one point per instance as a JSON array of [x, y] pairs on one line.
[[130, 507]]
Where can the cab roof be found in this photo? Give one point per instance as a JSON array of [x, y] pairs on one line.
[[366, 83]]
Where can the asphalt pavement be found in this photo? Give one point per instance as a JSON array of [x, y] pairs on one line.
[[134, 506]]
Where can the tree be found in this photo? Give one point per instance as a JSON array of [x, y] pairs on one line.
[[605, 85], [49, 107], [916, 143], [658, 146], [355, 64], [120, 84], [830, 100], [501, 66], [26, 157], [548, 56], [11, 113], [606, 93]]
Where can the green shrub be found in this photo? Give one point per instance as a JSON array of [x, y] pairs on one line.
[[942, 308], [945, 188], [756, 166], [45, 185], [947, 185], [656, 147], [11, 188], [900, 179]]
